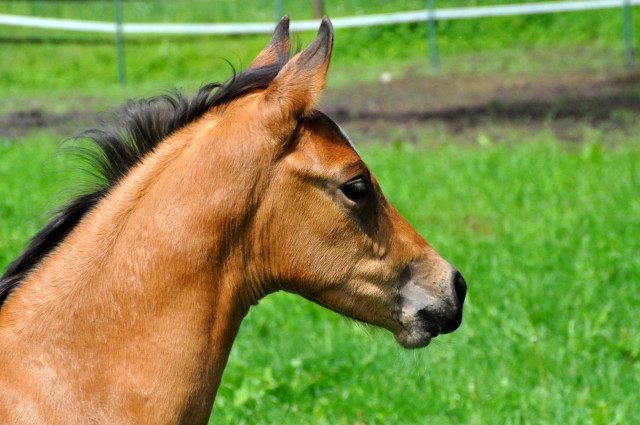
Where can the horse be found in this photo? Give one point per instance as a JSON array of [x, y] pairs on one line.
[[124, 307]]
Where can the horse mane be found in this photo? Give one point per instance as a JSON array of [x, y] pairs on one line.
[[118, 146]]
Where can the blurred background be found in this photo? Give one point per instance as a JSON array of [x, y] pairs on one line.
[[510, 142]]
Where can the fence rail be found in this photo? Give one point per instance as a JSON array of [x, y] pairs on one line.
[[430, 15], [310, 25]]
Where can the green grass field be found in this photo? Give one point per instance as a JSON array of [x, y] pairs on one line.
[[547, 234], [554, 43], [548, 238]]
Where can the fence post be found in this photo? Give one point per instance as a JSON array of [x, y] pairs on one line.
[[318, 8], [431, 26], [278, 14], [626, 31], [119, 42]]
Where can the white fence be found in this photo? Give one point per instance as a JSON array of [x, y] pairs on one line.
[[310, 25], [429, 15]]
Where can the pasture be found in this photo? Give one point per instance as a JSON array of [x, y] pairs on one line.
[[547, 236], [545, 228]]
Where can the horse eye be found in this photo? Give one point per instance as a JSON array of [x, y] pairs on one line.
[[356, 189]]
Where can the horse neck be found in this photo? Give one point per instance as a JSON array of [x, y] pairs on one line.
[[150, 288]]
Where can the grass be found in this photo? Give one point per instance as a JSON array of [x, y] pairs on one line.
[[547, 239], [547, 236], [87, 62]]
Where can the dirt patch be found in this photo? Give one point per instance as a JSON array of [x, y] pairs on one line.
[[16, 125], [459, 106], [464, 104]]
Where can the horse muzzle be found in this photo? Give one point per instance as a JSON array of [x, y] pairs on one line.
[[430, 302]]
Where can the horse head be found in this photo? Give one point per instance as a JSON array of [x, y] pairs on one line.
[[323, 228]]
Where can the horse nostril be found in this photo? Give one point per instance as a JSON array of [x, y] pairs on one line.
[[460, 289], [459, 286]]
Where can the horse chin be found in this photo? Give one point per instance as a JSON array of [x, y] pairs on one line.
[[414, 336]]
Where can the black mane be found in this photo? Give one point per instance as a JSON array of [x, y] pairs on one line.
[[134, 132]]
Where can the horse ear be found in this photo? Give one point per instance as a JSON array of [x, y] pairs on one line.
[[298, 85], [277, 51]]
